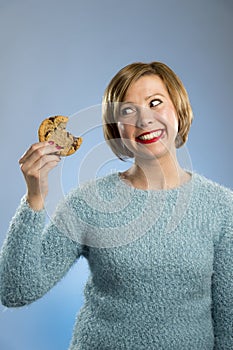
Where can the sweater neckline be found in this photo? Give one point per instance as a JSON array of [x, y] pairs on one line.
[[174, 190]]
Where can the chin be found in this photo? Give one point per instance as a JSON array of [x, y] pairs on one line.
[[150, 152]]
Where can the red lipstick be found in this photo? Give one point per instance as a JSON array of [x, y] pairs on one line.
[[150, 136]]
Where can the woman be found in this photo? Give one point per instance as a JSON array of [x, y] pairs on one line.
[[158, 239]]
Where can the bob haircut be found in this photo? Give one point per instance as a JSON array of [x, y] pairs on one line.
[[115, 93]]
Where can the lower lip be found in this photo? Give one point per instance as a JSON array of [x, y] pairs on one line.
[[150, 141]]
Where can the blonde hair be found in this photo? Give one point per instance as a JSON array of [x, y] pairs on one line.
[[117, 88]]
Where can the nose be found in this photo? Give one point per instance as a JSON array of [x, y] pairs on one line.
[[145, 117]]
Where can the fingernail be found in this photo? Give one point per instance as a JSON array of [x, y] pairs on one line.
[[51, 142], [59, 147]]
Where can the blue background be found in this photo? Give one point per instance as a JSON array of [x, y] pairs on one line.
[[57, 58]]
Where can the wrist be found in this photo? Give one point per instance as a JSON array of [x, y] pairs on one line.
[[35, 202]]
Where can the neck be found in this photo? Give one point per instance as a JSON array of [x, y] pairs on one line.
[[156, 174]]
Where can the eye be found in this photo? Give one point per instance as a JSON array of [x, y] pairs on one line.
[[155, 102], [127, 111]]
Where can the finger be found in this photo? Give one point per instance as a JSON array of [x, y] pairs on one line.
[[32, 149], [29, 168], [38, 150], [42, 163], [48, 166]]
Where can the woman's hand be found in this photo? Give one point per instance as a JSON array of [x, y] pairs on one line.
[[35, 164]]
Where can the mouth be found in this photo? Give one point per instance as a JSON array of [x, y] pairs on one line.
[[150, 137]]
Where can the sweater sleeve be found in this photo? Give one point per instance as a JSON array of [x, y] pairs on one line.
[[33, 257], [222, 283]]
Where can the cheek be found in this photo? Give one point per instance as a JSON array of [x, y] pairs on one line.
[[120, 126], [171, 119], [125, 130], [175, 122]]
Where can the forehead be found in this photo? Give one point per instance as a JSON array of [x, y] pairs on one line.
[[146, 86]]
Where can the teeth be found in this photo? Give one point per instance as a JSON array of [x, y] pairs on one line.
[[151, 135]]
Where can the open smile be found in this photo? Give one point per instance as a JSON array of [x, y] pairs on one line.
[[150, 137]]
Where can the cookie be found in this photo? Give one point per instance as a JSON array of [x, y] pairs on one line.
[[54, 129]]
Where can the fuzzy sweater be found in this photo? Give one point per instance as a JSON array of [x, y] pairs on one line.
[[161, 264]]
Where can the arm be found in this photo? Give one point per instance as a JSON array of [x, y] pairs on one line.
[[33, 259], [222, 285]]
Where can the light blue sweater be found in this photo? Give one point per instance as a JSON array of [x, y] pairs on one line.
[[161, 264]]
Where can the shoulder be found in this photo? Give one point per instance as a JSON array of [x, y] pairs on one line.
[[102, 188], [82, 206], [209, 186], [212, 192]]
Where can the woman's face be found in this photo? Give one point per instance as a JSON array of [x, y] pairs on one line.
[[147, 119]]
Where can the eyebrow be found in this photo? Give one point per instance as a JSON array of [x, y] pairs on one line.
[[147, 98], [157, 93]]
